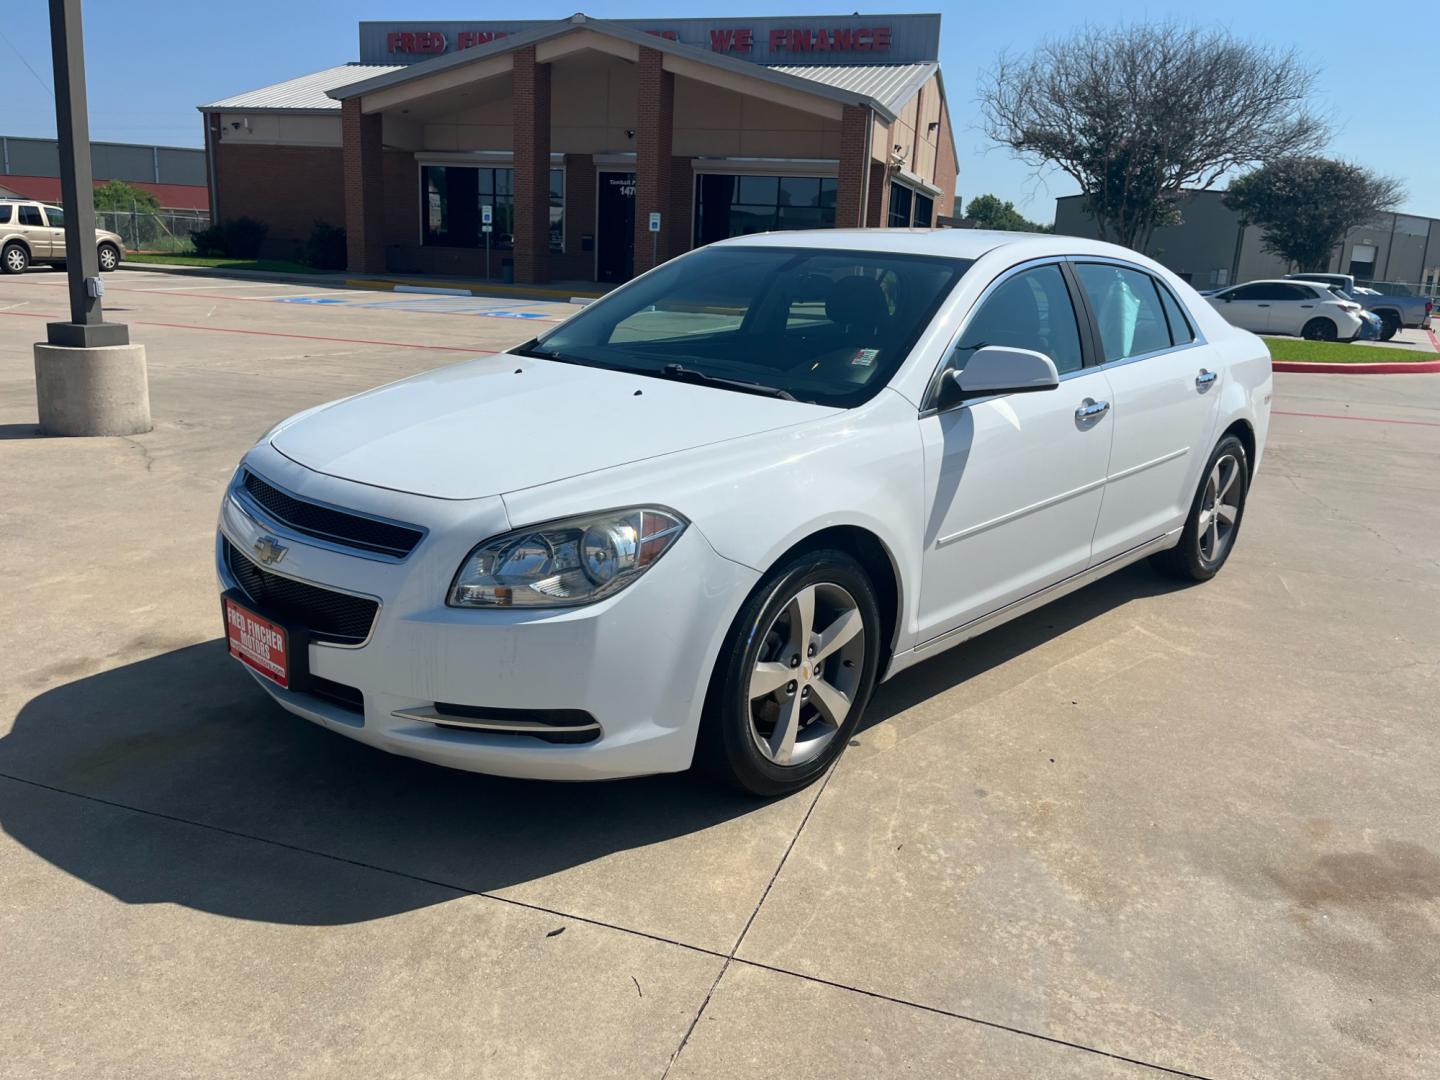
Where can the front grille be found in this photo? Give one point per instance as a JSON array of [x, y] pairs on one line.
[[337, 526], [328, 615]]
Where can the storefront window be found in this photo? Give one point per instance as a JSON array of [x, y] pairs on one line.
[[741, 205], [900, 199], [452, 197], [924, 210]]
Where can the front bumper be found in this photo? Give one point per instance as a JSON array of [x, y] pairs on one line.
[[638, 662]]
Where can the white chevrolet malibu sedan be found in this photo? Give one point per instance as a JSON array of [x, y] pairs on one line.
[[697, 522]]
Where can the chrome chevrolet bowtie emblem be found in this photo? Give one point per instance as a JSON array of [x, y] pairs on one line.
[[269, 550]]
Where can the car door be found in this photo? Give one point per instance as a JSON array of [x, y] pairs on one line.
[[31, 225], [1165, 388], [1293, 307], [55, 230], [1013, 482], [1245, 306]]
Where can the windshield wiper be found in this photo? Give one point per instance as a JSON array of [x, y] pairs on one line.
[[681, 373]]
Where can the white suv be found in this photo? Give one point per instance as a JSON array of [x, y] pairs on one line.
[[32, 232]]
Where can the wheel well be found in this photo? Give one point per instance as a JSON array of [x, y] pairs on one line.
[[1242, 430], [866, 549], [19, 243], [1386, 311]]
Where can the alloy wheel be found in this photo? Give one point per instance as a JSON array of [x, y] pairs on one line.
[[15, 260], [803, 684], [1219, 508], [107, 258]]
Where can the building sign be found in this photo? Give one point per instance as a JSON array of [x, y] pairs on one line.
[[859, 39]]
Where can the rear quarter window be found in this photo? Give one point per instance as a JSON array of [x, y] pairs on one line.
[[6, 212]]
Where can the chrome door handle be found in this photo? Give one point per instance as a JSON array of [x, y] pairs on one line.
[[1090, 409], [1204, 379]]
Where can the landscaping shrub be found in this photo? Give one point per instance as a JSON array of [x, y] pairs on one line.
[[325, 249], [238, 238]]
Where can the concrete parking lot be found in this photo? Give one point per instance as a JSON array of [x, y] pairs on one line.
[[1147, 829]]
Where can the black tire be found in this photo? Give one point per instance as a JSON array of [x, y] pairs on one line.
[[733, 724], [1389, 325], [1190, 559], [15, 259], [111, 254], [1320, 329]]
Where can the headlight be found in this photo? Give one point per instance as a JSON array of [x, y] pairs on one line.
[[565, 563]]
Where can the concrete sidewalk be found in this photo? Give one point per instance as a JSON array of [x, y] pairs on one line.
[[1146, 830]]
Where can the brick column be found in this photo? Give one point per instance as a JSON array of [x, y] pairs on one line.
[[579, 216], [360, 141], [654, 139], [679, 219], [877, 211], [530, 96], [854, 163]]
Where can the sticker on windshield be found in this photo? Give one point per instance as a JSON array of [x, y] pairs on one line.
[[864, 357]]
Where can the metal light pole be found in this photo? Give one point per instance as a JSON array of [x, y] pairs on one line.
[[89, 379]]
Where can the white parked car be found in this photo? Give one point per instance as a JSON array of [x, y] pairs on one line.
[[1300, 308], [699, 520]]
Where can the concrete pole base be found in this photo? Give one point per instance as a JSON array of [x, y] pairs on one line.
[[96, 391]]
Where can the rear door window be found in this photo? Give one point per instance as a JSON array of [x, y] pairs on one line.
[[1127, 310], [30, 215]]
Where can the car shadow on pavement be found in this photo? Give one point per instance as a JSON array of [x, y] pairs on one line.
[[186, 738]]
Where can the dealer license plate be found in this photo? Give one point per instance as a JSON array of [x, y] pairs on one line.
[[258, 642]]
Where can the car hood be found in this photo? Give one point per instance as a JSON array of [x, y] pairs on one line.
[[507, 422]]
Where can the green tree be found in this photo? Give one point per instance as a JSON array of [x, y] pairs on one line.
[[1305, 205], [1138, 114], [118, 195], [989, 212]]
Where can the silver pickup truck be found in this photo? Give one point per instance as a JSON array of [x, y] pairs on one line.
[[1394, 309]]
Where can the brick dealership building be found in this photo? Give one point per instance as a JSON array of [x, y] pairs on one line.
[[569, 135]]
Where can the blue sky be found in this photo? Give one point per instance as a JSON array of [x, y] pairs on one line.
[[150, 63]]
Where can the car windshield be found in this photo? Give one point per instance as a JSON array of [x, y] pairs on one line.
[[824, 326]]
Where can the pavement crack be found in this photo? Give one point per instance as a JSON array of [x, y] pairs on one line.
[[695, 1020]]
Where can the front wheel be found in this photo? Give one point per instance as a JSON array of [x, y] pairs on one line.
[[1320, 329], [109, 257], [15, 259], [1215, 514], [793, 677]]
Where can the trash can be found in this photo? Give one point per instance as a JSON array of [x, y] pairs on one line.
[[507, 271]]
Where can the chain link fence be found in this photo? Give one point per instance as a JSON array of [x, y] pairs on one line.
[[166, 231]]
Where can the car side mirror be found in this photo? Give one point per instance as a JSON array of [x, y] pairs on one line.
[[998, 369]]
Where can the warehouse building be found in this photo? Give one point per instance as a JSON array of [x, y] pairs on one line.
[[583, 149], [1211, 248], [175, 175]]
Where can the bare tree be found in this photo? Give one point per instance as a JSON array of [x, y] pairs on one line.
[[1305, 205], [1139, 114]]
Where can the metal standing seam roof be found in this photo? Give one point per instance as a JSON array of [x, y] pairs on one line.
[[890, 84], [308, 92]]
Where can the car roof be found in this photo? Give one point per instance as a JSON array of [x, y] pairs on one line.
[[950, 243], [1275, 281]]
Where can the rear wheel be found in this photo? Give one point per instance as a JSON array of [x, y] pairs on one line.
[[793, 677], [109, 257], [1320, 329], [1215, 515], [15, 259], [1389, 325]]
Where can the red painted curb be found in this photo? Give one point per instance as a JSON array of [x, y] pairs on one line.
[[1423, 368]]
